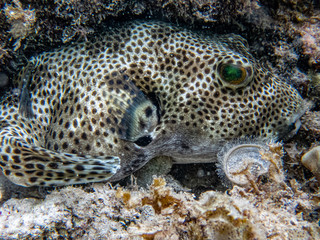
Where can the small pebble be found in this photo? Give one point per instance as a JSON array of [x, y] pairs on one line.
[[4, 79], [311, 160], [200, 173]]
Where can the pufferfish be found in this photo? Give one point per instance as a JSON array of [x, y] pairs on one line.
[[100, 110]]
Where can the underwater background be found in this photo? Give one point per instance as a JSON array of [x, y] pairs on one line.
[[187, 201]]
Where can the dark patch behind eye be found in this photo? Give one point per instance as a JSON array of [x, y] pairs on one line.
[[148, 111], [156, 101], [143, 141], [130, 119]]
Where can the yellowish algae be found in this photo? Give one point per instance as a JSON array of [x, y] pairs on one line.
[[272, 209]]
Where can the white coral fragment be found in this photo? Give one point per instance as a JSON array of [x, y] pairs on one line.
[[311, 160]]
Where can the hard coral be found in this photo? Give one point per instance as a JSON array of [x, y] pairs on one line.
[[81, 15], [21, 20], [310, 38], [214, 216], [161, 213], [205, 11], [299, 19]]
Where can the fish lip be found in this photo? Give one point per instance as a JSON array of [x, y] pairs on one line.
[[291, 131], [305, 106], [294, 123]]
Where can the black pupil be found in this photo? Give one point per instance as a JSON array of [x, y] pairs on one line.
[[143, 141], [148, 111]]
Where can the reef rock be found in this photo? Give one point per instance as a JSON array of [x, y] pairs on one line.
[[105, 212]]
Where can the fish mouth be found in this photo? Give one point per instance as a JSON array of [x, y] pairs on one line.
[[292, 130], [294, 123]]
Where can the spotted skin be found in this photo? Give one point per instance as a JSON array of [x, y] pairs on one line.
[[102, 109]]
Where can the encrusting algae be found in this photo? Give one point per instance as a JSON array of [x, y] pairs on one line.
[[161, 213], [278, 210]]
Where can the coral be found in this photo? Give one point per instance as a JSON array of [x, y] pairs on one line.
[[274, 155], [310, 38], [309, 133], [21, 20], [160, 213], [313, 87], [4, 53], [81, 14], [300, 20], [311, 122], [268, 25], [204, 9]]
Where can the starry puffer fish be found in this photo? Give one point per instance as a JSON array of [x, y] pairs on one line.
[[102, 109]]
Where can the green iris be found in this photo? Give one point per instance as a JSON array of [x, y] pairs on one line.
[[232, 73]]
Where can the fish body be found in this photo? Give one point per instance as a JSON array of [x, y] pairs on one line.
[[101, 109]]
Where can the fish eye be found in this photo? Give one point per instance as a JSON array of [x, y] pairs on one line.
[[235, 76], [232, 73]]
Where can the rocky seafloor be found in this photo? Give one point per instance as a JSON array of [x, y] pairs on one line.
[[188, 201]]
